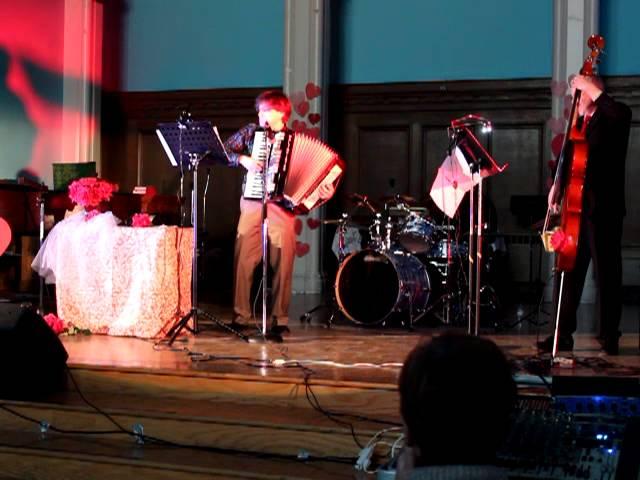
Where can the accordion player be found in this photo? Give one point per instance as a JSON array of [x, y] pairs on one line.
[[296, 167]]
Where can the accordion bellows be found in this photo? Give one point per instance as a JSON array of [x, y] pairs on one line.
[[297, 166]]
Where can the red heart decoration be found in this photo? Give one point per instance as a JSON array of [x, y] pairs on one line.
[[297, 226], [302, 249], [5, 235], [312, 90], [314, 118], [299, 126], [313, 223], [302, 108], [297, 97], [314, 132]]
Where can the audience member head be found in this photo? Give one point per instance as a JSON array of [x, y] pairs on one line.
[[456, 397]]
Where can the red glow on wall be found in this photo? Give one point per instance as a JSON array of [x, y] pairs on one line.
[[50, 49]]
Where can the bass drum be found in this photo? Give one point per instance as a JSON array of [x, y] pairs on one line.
[[371, 285]]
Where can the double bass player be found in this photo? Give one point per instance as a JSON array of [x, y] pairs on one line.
[[601, 219]]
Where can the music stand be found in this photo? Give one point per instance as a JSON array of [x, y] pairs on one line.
[[482, 165], [192, 144]]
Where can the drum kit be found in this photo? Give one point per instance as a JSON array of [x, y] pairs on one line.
[[406, 266]]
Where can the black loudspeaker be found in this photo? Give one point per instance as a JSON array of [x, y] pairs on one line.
[[32, 358]]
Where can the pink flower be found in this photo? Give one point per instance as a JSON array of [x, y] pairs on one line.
[[55, 323], [90, 191], [141, 220]]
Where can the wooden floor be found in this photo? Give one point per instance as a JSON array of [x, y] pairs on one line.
[[253, 409], [346, 352]]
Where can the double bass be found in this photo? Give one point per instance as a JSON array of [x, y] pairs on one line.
[[568, 186], [569, 178]]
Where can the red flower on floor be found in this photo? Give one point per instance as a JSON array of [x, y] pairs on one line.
[[55, 323]]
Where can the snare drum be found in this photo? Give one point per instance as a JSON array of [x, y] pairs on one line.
[[417, 234], [371, 285]]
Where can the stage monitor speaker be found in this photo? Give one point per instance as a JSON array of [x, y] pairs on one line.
[[32, 358]]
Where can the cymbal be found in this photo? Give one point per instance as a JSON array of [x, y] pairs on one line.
[[399, 199], [348, 223], [363, 201]]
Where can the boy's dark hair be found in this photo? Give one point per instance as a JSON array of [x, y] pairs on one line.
[[276, 100], [456, 397]]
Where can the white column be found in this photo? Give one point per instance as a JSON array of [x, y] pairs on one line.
[[574, 21], [305, 45], [82, 79]]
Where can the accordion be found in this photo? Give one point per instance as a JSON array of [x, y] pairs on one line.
[[298, 165]]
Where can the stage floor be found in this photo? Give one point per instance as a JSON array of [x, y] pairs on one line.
[[330, 390], [345, 352]]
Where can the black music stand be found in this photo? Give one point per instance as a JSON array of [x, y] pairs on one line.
[[482, 165], [192, 144]]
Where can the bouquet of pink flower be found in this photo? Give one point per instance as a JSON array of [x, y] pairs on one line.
[[89, 192]]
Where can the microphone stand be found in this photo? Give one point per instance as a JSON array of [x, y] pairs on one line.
[[183, 119], [265, 335]]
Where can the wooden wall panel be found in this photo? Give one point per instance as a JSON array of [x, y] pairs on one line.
[[383, 131], [132, 153], [521, 148], [384, 163], [154, 167]]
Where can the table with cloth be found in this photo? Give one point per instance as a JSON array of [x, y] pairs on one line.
[[129, 281]]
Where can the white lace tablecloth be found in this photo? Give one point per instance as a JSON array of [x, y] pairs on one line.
[[118, 280]]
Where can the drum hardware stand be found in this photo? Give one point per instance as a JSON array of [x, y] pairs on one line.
[[447, 270], [387, 231], [375, 232], [201, 144], [342, 254]]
